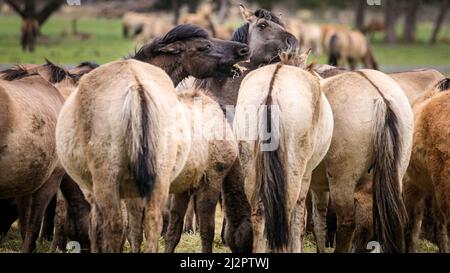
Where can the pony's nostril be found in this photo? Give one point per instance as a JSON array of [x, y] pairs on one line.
[[292, 43], [244, 51]]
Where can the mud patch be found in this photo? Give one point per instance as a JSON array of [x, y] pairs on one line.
[[37, 123]]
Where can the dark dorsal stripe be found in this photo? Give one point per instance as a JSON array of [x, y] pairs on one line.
[[178, 33], [88, 64]]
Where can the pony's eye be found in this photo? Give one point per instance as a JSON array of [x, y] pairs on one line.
[[262, 26], [204, 48]]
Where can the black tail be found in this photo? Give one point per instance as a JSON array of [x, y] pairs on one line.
[[271, 179], [333, 51], [140, 126], [389, 213]]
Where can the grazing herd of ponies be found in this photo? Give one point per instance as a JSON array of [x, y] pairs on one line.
[[123, 145]]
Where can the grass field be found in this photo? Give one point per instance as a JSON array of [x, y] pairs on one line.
[[189, 243], [107, 44]]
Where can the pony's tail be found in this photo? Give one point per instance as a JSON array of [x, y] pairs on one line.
[[140, 127], [271, 178], [389, 211], [333, 51], [369, 59]]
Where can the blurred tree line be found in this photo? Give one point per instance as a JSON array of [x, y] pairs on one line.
[[393, 10]]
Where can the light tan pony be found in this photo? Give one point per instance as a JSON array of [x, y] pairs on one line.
[[123, 144], [413, 84], [130, 137], [372, 141], [288, 139], [347, 47], [208, 163], [31, 97], [309, 34]]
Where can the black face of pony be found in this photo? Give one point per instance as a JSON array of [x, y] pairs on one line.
[[194, 53], [266, 36], [203, 58]]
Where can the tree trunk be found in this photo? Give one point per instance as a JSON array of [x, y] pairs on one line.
[[439, 20], [192, 6], [359, 16], [224, 10], [48, 10], [409, 33], [30, 9], [176, 5], [390, 16], [16, 7]]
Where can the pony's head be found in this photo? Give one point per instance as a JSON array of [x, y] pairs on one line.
[[189, 50], [266, 36]]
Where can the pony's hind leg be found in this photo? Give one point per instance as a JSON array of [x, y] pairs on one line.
[[189, 225], [107, 227], [38, 203], [9, 214], [441, 223], [414, 203], [154, 208], [206, 201], [135, 212], [441, 204], [319, 211], [178, 208], [342, 198], [298, 217]]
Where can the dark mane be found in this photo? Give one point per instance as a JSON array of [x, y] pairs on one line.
[[262, 13], [443, 85], [88, 64], [240, 34], [57, 73], [15, 73], [178, 33]]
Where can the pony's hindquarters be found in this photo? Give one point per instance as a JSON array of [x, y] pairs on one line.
[[427, 183], [372, 133], [123, 139], [276, 148]]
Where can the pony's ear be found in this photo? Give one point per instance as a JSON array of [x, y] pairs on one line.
[[173, 48], [246, 13], [303, 58]]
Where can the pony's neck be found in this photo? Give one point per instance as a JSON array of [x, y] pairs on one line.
[[171, 66]]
